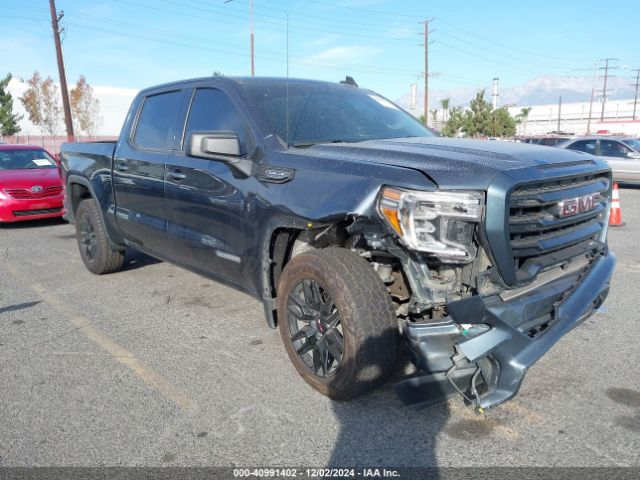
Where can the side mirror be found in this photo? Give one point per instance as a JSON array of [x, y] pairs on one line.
[[214, 145]]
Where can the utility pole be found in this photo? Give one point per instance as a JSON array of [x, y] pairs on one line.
[[637, 84], [55, 18], [606, 77], [426, 72], [559, 113], [593, 91]]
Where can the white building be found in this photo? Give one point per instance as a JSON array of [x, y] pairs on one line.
[[574, 118]]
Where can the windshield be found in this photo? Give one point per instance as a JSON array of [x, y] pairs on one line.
[[633, 143], [19, 159], [328, 113]]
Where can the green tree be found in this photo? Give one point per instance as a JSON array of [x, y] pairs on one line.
[[42, 103], [522, 118], [444, 103], [479, 119], [502, 123], [8, 119], [453, 126]]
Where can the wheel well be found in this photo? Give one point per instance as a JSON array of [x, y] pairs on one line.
[[77, 194], [286, 243]]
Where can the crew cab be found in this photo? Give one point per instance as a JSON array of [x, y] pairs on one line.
[[355, 227]]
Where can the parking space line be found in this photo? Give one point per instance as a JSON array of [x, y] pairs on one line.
[[115, 350], [628, 267]]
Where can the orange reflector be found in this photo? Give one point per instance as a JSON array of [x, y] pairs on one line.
[[392, 217]]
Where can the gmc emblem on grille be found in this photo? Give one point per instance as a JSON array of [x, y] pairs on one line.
[[574, 206]]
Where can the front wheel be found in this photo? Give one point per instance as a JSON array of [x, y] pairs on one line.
[[337, 322], [95, 250]]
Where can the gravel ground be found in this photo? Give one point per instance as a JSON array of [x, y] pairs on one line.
[[155, 366]]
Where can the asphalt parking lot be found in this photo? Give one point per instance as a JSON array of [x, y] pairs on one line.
[[155, 366]]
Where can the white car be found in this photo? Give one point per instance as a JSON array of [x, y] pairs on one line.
[[621, 153]]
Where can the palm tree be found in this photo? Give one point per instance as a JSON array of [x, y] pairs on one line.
[[522, 118], [445, 108], [434, 116]]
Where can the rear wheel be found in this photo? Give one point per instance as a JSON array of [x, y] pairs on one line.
[[337, 322], [95, 250]]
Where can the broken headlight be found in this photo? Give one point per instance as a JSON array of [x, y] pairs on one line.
[[439, 223]]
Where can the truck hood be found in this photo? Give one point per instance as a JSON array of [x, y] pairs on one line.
[[448, 162]]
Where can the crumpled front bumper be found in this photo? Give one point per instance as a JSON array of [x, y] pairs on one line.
[[503, 353]]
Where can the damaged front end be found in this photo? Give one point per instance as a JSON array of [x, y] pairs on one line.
[[496, 281], [487, 359]]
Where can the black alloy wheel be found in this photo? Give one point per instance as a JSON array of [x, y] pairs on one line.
[[315, 328]]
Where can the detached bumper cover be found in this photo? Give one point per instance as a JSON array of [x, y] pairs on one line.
[[508, 349]]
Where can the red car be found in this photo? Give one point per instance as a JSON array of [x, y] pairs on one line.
[[30, 185]]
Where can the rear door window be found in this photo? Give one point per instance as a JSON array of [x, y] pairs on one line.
[[588, 146], [157, 121], [612, 148]]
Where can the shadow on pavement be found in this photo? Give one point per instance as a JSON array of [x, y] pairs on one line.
[[18, 306], [135, 259], [378, 431], [27, 224]]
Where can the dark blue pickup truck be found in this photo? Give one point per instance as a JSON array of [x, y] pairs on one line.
[[355, 227]]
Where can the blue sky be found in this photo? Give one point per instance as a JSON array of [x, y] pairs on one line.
[[137, 43]]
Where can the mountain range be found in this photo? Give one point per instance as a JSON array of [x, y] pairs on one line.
[[542, 90]]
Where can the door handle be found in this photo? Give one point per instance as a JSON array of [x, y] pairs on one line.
[[176, 175]]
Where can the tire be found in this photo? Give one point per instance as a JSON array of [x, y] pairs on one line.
[[93, 243], [353, 293]]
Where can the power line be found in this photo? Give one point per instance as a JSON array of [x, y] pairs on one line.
[[279, 23], [361, 10], [509, 47], [356, 67]]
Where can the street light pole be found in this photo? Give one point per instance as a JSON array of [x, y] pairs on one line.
[[253, 72], [251, 48]]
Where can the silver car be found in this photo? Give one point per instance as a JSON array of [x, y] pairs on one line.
[[621, 153]]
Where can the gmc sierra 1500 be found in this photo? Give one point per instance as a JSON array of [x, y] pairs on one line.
[[354, 226]]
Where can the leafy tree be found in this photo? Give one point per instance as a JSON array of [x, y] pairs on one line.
[[522, 118], [444, 103], [453, 126], [85, 107], [479, 119], [8, 119], [502, 123], [42, 103]]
